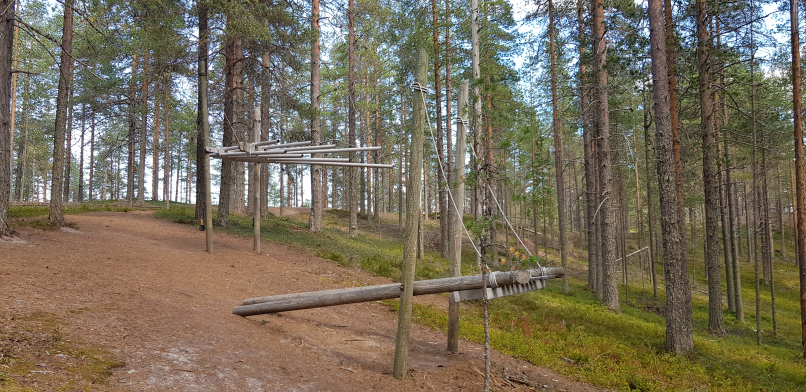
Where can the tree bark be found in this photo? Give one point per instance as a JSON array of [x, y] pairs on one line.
[[448, 118], [558, 144], [679, 335], [141, 169], [56, 216], [239, 129], [671, 59], [155, 150], [79, 197], [68, 152], [92, 157], [733, 220], [588, 151], [441, 180], [227, 167], [6, 50], [351, 179], [167, 147], [315, 220], [716, 325], [458, 225], [265, 127], [653, 250], [202, 161], [412, 213], [602, 123]]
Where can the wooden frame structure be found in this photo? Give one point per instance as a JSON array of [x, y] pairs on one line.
[[273, 151]]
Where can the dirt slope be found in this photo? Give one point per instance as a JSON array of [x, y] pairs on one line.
[[147, 292]]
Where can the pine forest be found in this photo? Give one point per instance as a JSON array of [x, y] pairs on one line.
[[641, 159]]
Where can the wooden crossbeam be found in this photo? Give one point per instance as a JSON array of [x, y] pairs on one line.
[[291, 153]]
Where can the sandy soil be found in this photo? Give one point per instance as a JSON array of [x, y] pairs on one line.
[[147, 292]]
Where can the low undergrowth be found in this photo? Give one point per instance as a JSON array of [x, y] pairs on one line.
[[573, 333]]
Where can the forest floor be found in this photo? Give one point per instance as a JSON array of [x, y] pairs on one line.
[[125, 301]]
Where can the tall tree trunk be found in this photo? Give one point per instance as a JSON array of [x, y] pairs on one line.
[[716, 323], [602, 123], [652, 248], [92, 156], [377, 140], [679, 335], [13, 110], [458, 228], [441, 180], [780, 208], [265, 127], [448, 119], [315, 220], [227, 168], [204, 126], [671, 69], [412, 213], [476, 120], [202, 160], [733, 219], [141, 169], [22, 151], [56, 216], [6, 43], [155, 150], [68, 152], [588, 151], [757, 213], [765, 216], [131, 136], [351, 179], [238, 129], [794, 215], [79, 197], [558, 144]]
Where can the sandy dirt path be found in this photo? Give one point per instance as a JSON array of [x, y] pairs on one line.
[[145, 290]]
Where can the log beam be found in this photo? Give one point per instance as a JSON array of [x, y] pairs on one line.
[[317, 299]]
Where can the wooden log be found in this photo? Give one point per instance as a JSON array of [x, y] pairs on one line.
[[317, 299]]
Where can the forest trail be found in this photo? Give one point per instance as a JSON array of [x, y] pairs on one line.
[[146, 291]]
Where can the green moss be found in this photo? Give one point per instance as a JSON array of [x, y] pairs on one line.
[[26, 342]]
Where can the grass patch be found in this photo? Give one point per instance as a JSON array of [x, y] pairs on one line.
[[573, 333], [35, 356]]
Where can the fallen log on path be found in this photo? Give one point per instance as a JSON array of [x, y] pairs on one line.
[[317, 299]]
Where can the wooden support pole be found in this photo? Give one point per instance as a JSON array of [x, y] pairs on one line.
[[205, 134], [256, 178], [458, 226], [413, 192], [318, 299]]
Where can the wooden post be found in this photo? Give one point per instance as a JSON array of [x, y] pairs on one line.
[[458, 227], [318, 299], [412, 214], [256, 177]]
